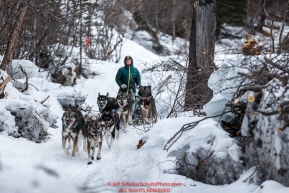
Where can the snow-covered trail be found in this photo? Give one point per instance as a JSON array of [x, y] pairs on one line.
[[115, 162], [100, 173], [103, 83], [112, 167]]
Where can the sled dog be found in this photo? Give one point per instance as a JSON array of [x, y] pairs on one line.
[[73, 127], [94, 137], [148, 112], [126, 104], [109, 122], [106, 103]]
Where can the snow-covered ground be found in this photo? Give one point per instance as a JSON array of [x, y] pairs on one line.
[[27, 167]]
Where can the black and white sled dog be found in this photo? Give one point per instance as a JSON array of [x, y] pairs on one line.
[[148, 112], [94, 136], [106, 103], [126, 104], [73, 127], [110, 124]]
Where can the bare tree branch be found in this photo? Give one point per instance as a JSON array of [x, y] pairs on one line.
[[13, 40]]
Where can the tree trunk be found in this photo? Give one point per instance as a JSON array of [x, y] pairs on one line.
[[201, 55], [8, 18], [80, 39], [13, 40], [174, 20], [157, 15], [35, 42]]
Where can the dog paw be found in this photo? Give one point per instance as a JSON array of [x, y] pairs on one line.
[[67, 152], [89, 162], [92, 157], [98, 158], [130, 123]]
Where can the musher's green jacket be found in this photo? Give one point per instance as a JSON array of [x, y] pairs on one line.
[[122, 77]]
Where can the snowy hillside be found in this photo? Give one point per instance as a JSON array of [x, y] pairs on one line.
[[27, 167]]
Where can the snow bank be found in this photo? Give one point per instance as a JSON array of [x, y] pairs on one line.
[[7, 121], [271, 186], [220, 154], [30, 68], [264, 143]]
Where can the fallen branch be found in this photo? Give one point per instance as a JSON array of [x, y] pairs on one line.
[[3, 84], [186, 127], [34, 87], [44, 100], [264, 73], [179, 65], [274, 64], [2, 93], [256, 169], [280, 110], [248, 88], [202, 160], [26, 82]]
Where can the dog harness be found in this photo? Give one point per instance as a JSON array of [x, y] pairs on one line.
[[146, 103]]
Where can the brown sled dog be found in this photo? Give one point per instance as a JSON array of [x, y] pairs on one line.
[[94, 136], [148, 112], [110, 124], [126, 102], [73, 127]]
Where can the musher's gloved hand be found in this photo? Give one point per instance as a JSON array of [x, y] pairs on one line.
[[123, 86]]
